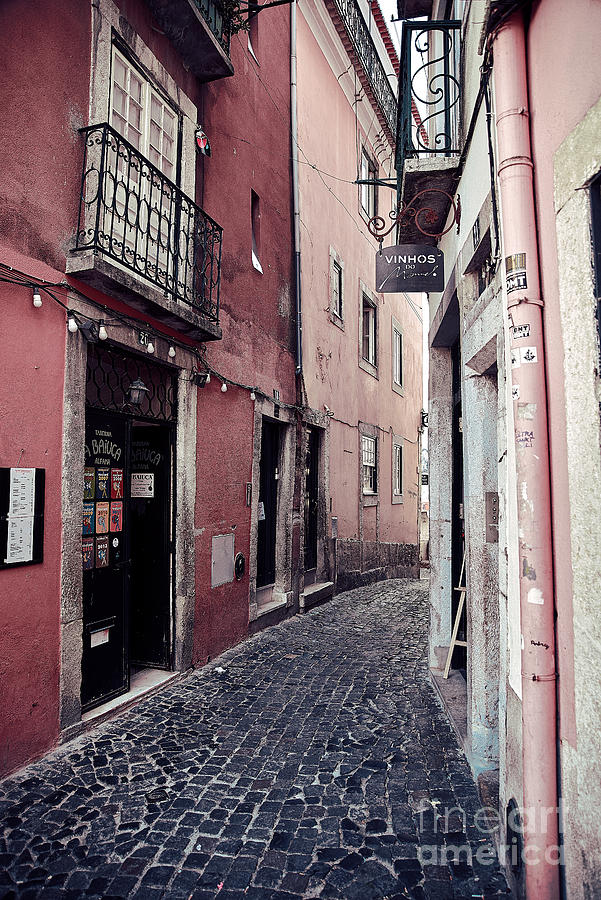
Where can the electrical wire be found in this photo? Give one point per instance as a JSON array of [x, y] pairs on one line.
[[327, 186]]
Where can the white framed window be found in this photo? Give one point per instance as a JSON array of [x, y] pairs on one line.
[[397, 469], [368, 330], [397, 357], [369, 192], [142, 117], [336, 286], [369, 461]]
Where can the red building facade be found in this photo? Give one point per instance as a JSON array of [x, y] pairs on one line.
[[141, 252], [166, 481]]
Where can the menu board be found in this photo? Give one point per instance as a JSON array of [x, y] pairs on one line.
[[21, 516]]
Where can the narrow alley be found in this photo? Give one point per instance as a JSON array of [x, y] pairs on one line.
[[312, 760]]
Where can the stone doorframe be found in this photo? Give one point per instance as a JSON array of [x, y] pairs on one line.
[[72, 509], [283, 592]]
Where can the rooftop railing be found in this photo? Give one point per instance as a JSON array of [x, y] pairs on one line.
[[369, 57]]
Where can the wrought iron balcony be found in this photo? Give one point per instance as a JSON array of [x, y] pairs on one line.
[[201, 30], [369, 58], [134, 215], [428, 133]]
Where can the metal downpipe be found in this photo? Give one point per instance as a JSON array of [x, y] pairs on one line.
[[295, 193], [539, 711]]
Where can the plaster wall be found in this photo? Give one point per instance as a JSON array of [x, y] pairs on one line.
[[32, 344], [565, 84], [576, 161]]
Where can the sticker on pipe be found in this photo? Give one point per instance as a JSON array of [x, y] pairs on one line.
[[535, 595], [528, 355], [520, 332], [515, 392], [515, 267], [515, 359]]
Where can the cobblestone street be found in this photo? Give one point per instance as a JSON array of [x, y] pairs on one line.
[[313, 760]]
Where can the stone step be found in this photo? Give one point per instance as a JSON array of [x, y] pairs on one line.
[[316, 593]]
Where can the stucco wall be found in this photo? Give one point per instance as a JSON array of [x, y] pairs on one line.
[[334, 373]]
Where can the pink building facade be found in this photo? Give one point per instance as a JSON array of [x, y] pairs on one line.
[[361, 350]]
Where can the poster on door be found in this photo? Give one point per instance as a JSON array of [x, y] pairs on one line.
[[116, 484], [102, 518], [102, 552], [102, 484], [88, 518], [142, 485], [89, 474], [116, 516], [87, 553]]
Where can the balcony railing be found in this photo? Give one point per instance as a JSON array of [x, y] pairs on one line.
[[369, 57], [219, 24], [429, 91], [133, 214]]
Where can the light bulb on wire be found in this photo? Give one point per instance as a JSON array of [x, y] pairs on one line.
[[150, 348], [224, 388], [72, 324], [102, 332], [37, 300], [171, 351]]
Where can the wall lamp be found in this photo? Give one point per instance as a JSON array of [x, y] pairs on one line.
[[137, 392]]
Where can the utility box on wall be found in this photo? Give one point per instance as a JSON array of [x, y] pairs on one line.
[[222, 559]]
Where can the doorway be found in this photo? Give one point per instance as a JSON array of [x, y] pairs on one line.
[[311, 504], [128, 540], [268, 502], [459, 660]]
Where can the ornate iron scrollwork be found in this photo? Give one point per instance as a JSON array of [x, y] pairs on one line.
[[434, 87], [412, 213]]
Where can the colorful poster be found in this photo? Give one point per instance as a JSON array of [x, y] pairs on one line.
[[102, 484], [102, 552], [102, 518], [88, 518], [116, 484], [88, 483], [87, 553], [116, 516]]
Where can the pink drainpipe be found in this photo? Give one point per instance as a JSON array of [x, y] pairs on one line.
[[532, 463]]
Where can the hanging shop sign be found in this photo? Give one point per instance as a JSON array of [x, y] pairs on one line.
[[409, 267]]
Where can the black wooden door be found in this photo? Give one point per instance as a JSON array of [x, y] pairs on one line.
[[105, 671], [311, 492], [268, 503], [150, 543]]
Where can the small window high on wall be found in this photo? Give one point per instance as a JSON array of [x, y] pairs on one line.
[[255, 217]]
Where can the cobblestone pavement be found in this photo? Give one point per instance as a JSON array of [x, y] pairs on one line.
[[310, 761]]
